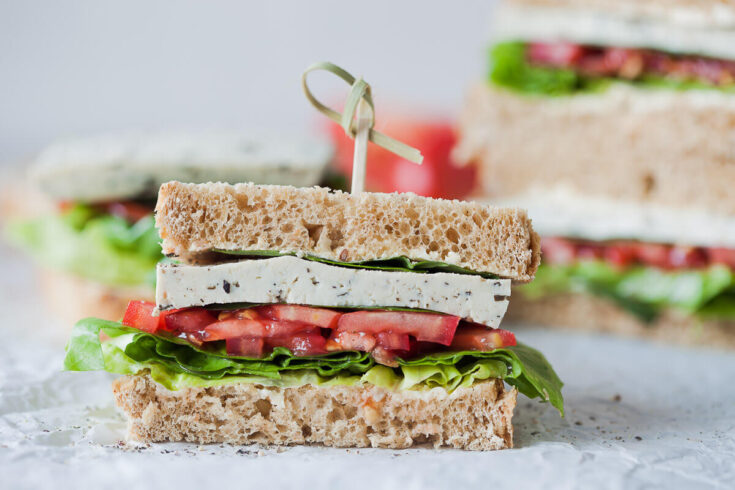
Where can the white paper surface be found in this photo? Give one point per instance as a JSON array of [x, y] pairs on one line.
[[638, 415]]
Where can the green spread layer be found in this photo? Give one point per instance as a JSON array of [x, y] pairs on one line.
[[398, 264], [93, 245], [642, 291], [509, 69], [177, 364]]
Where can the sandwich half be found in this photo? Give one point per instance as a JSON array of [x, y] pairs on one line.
[[612, 122], [304, 316], [96, 240]]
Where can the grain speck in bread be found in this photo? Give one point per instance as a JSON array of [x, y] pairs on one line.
[[196, 218], [475, 418]]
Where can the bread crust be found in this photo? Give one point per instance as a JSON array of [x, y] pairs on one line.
[[672, 148], [476, 418], [196, 218], [576, 311]]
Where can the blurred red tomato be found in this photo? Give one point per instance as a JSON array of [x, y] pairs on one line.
[[437, 176]]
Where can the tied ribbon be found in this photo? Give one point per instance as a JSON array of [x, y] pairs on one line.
[[360, 90]]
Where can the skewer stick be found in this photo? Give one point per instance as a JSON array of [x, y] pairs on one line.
[[362, 136], [357, 120]]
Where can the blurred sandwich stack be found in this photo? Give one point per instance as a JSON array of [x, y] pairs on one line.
[[94, 237], [613, 122]]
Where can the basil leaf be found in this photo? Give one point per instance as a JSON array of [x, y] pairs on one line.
[[401, 263]]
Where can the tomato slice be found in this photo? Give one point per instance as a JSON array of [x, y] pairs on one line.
[[275, 328], [621, 254], [722, 256], [255, 328], [394, 341], [188, 321], [139, 314], [247, 313], [440, 175], [687, 257], [245, 346], [430, 327], [478, 337], [301, 344], [230, 329], [554, 54], [321, 317]]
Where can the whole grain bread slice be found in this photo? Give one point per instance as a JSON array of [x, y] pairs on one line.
[[475, 418], [664, 147], [194, 219]]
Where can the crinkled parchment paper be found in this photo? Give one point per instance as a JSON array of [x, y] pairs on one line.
[[638, 415]]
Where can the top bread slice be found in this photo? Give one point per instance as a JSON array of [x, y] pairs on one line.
[[194, 219]]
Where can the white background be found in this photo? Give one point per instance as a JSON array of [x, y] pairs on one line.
[[70, 68]]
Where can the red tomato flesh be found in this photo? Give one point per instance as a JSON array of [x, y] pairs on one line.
[[438, 176], [394, 341], [255, 328], [321, 317], [722, 256], [231, 329], [139, 314], [479, 337], [188, 321], [627, 253], [245, 346], [430, 327]]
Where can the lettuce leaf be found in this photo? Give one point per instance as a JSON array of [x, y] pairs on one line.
[[400, 264], [176, 364], [509, 68], [100, 247], [643, 291]]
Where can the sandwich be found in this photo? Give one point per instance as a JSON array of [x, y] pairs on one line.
[[612, 123], [95, 237], [305, 316]]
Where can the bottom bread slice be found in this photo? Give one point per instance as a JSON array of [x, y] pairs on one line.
[[586, 312], [475, 418]]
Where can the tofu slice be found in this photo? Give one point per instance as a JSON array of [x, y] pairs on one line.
[[293, 280], [125, 166]]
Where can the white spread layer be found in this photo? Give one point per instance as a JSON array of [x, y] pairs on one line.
[[675, 33], [559, 211], [125, 166], [299, 281]]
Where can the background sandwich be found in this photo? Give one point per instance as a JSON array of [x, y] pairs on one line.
[[305, 316], [612, 123], [95, 236]]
